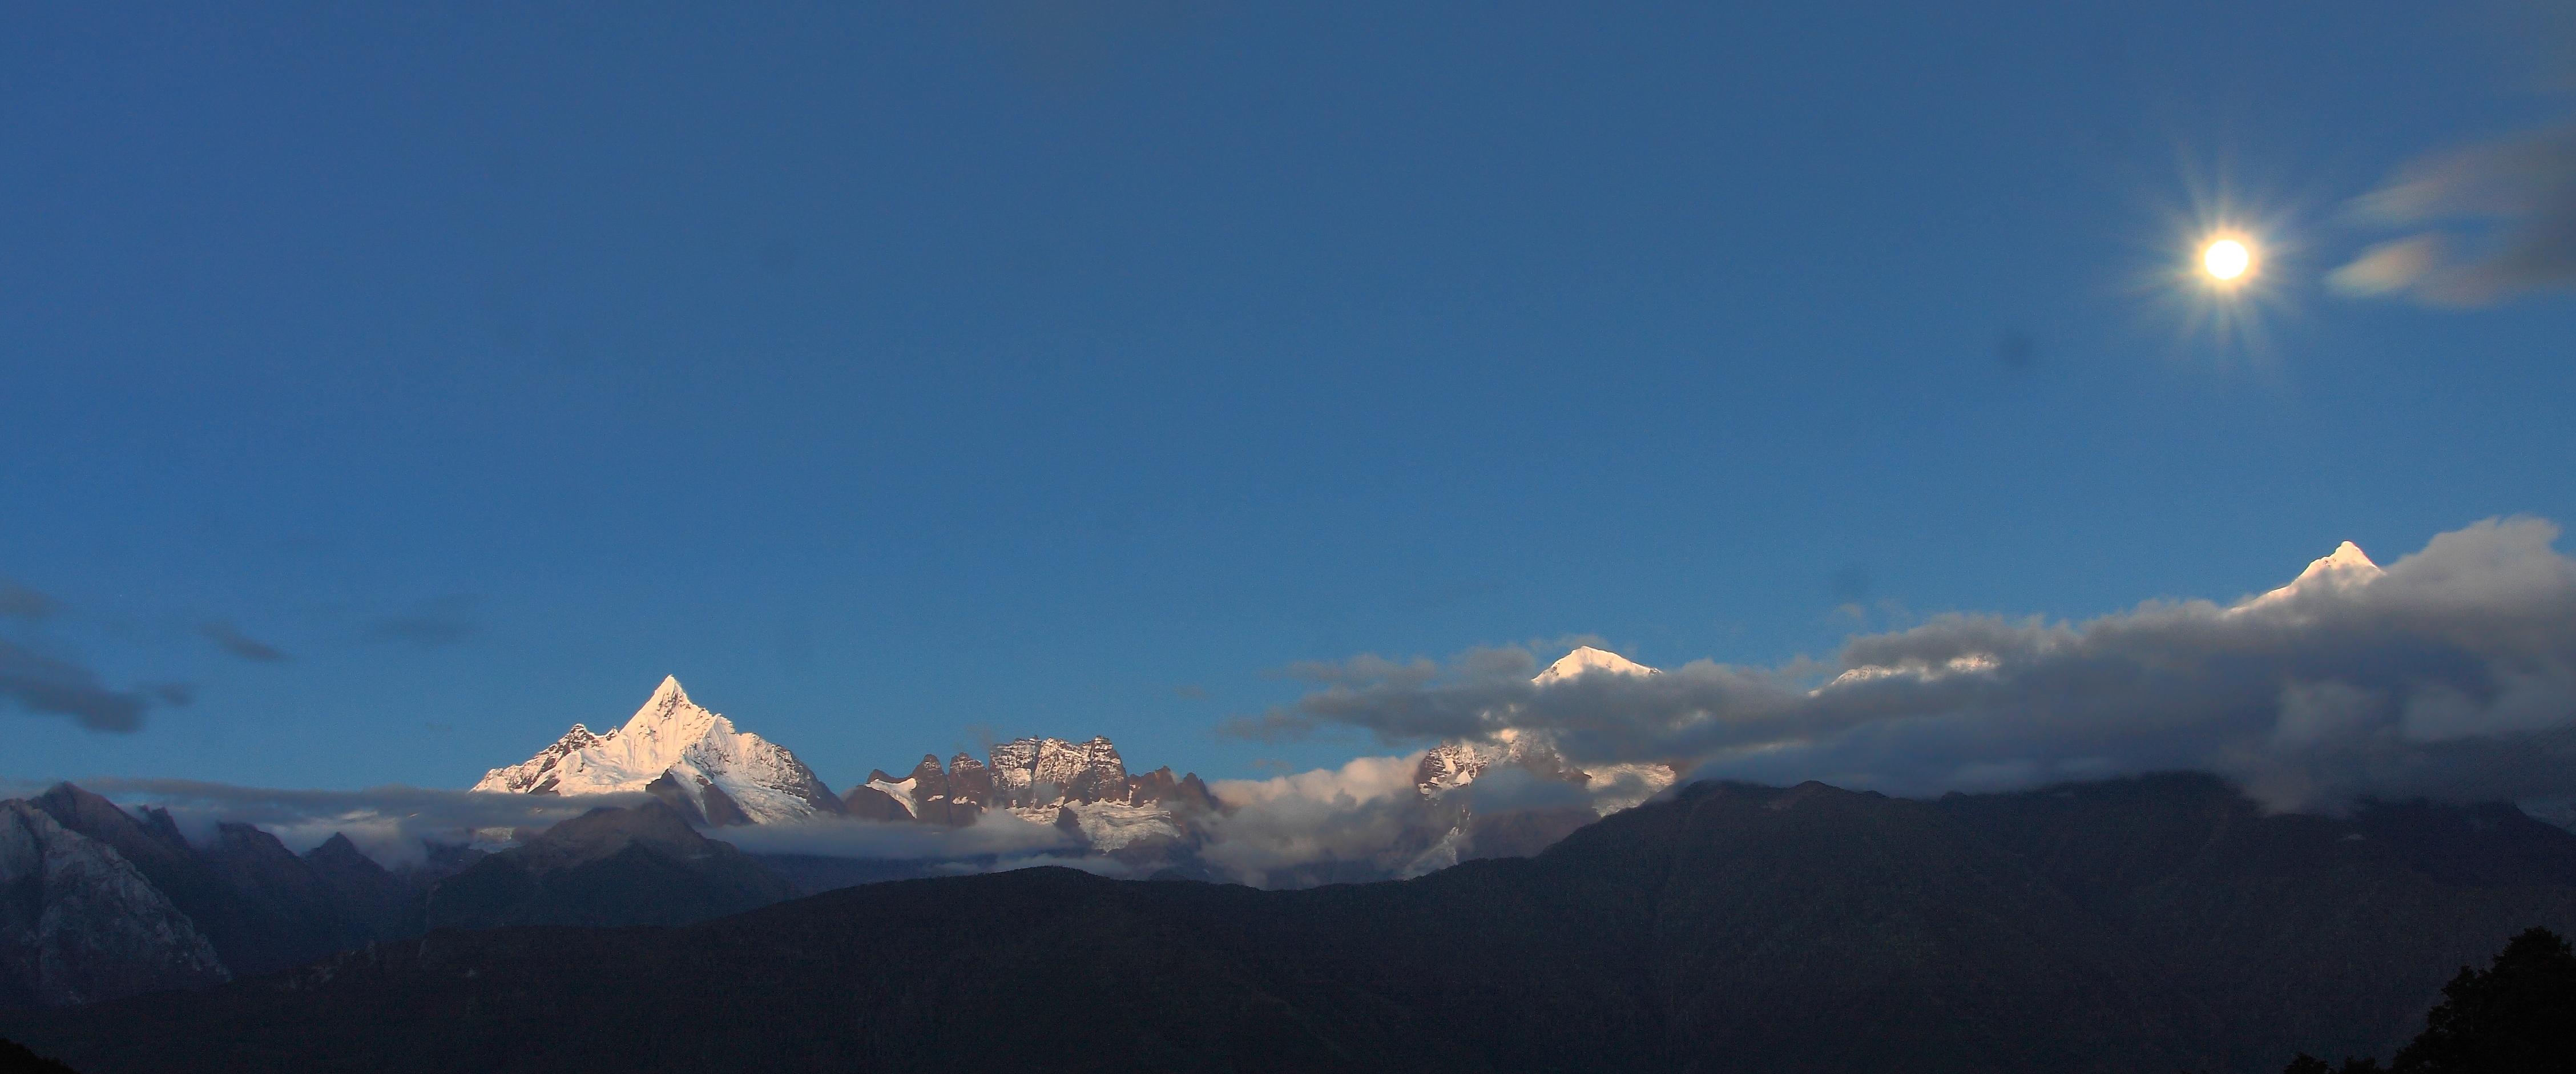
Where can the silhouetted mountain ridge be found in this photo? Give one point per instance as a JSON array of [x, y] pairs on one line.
[[2148, 924]]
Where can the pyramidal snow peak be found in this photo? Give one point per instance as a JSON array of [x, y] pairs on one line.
[[675, 749], [2345, 569]]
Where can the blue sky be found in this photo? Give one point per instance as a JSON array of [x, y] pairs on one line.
[[896, 375]]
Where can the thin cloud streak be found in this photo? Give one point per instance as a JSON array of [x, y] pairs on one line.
[[2485, 223], [993, 834], [231, 640], [20, 602], [52, 686]]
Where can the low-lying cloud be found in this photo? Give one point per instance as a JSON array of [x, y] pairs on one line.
[[391, 824], [1305, 828], [2452, 675], [993, 835]]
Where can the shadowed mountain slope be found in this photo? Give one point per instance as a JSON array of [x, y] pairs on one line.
[[643, 865]]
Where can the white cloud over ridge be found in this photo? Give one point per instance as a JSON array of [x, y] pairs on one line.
[[2451, 675]]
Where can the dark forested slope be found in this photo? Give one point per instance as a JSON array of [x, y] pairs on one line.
[[2134, 925]]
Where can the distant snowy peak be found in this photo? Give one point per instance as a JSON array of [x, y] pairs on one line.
[[674, 747], [1586, 659], [1082, 788], [2345, 569], [1458, 762]]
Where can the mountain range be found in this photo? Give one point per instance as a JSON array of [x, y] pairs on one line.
[[101, 903], [714, 776], [2147, 924]]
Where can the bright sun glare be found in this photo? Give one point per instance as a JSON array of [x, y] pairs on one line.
[[2226, 259]]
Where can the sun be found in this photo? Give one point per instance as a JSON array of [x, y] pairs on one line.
[[2227, 260]]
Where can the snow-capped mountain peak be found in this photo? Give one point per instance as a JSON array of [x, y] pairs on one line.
[[673, 742], [2346, 568], [1585, 659], [1456, 763]]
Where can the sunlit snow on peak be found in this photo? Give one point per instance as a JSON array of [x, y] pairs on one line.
[[1587, 659], [2343, 570]]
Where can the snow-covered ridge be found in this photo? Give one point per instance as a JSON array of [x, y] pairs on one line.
[[1584, 660], [700, 762]]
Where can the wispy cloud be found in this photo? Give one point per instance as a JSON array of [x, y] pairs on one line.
[[442, 623], [54, 686], [20, 602], [230, 639], [2480, 224], [2453, 675]]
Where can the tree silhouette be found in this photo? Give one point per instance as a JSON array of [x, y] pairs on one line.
[[2517, 1016], [18, 1060]]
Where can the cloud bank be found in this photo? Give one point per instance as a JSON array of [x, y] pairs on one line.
[[2451, 675], [388, 823], [993, 835]]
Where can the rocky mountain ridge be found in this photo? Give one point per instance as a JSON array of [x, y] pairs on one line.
[[79, 923], [1082, 787]]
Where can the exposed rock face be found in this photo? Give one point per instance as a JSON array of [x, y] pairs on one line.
[[926, 795], [868, 803], [1045, 771], [79, 923], [969, 782], [728, 776]]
